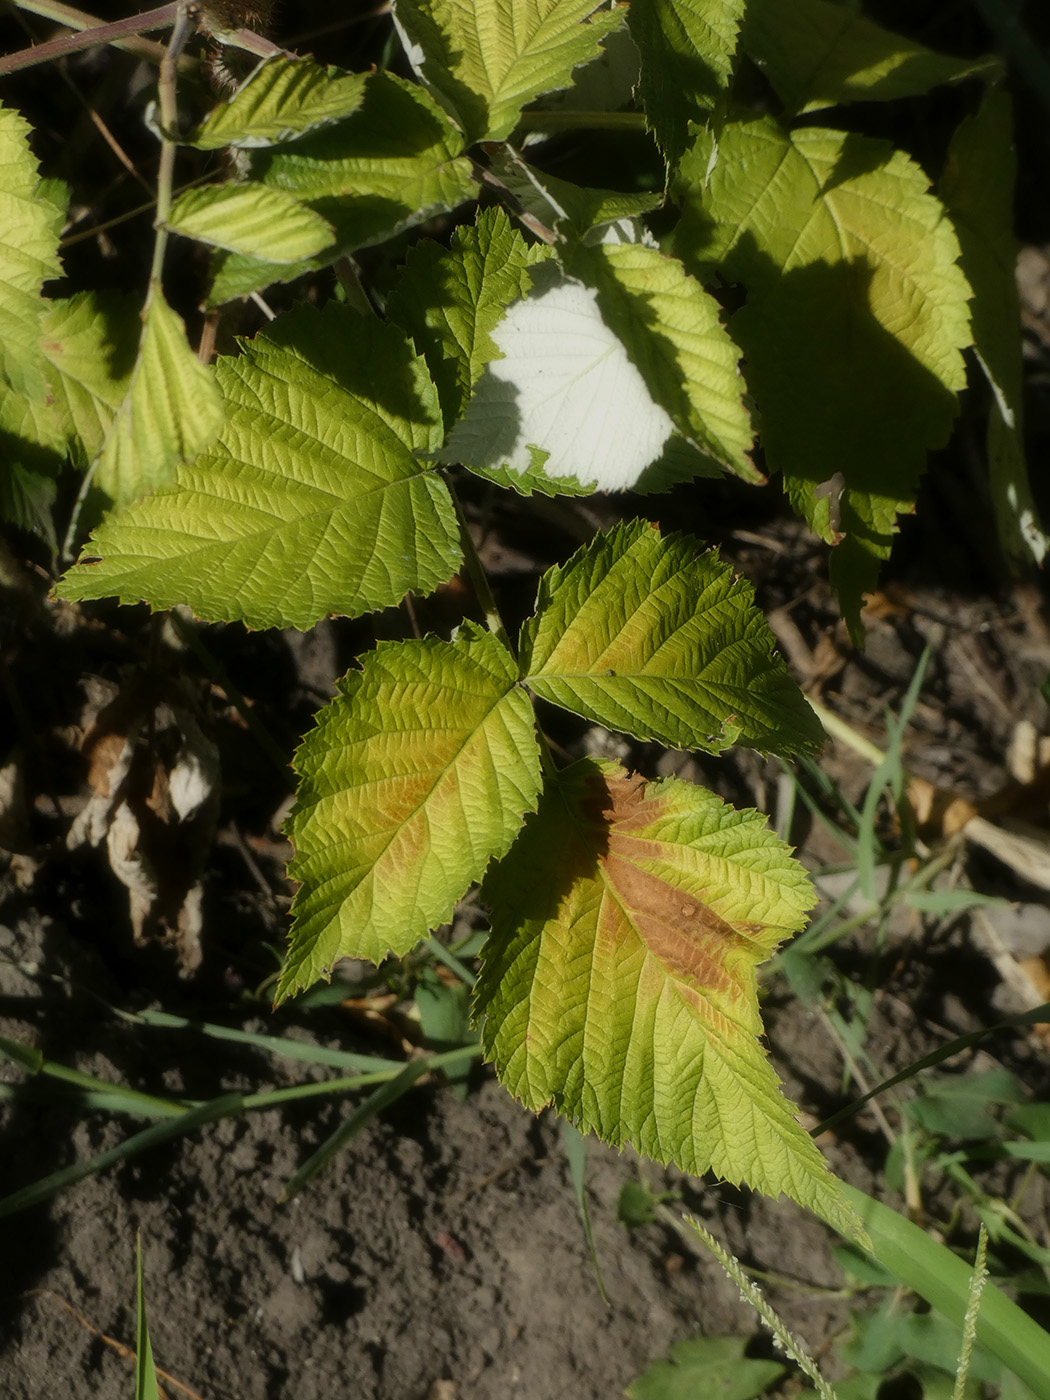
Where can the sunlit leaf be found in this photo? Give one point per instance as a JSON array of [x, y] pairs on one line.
[[252, 219], [29, 228], [563, 396], [283, 98], [619, 985], [451, 300], [687, 49], [817, 54], [313, 500], [485, 59], [171, 412], [393, 164], [672, 332], [415, 777], [640, 634]]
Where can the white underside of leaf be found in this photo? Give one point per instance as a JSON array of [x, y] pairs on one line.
[[564, 387]]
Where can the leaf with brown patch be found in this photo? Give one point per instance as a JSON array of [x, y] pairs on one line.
[[619, 981]]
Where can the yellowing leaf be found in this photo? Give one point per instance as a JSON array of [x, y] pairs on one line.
[[638, 633], [619, 980], [171, 412], [415, 777], [485, 59], [313, 501], [817, 53]]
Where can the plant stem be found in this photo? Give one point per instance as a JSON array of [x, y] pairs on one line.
[[169, 118], [91, 31], [493, 621], [479, 579], [569, 121]]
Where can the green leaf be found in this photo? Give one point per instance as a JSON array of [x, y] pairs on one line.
[[145, 1371], [713, 1367], [251, 219], [393, 164], [29, 228], [450, 301], [672, 332], [171, 412], [978, 190], [856, 320], [817, 54], [282, 99], [485, 60], [961, 1107], [639, 634], [943, 1279], [313, 500], [687, 49], [563, 396], [619, 980], [415, 777], [89, 344]]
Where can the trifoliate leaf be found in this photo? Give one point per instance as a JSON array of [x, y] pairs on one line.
[[313, 500], [282, 99], [564, 396], [618, 983], [978, 190], [856, 319], [450, 301], [672, 332], [817, 54], [29, 228], [252, 219], [393, 164], [89, 343], [415, 777], [485, 60], [687, 49], [171, 412], [638, 633]]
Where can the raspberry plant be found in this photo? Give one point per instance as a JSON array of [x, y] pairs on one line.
[[551, 344]]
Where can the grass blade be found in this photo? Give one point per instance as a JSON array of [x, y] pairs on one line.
[[145, 1372], [943, 1279]]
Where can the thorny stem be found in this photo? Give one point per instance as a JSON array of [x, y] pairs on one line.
[[92, 32], [123, 32]]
